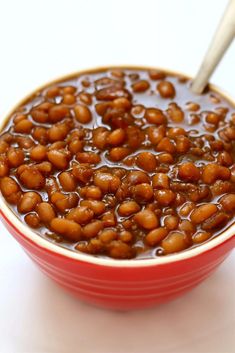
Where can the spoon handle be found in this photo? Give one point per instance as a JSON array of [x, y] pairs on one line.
[[220, 42]]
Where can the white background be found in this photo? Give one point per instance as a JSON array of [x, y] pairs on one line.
[[40, 40]]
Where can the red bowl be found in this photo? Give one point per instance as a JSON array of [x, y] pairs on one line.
[[121, 284]]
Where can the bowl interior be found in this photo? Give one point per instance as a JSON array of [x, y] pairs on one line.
[[26, 232]]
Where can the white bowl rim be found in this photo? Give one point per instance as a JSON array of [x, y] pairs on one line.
[[57, 249]]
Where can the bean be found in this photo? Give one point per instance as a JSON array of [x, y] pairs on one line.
[[58, 132], [82, 114], [165, 158], [40, 135], [175, 132], [212, 172], [182, 144], [217, 145], [39, 115], [67, 181], [127, 208], [175, 113], [138, 111], [85, 98], [212, 118], [69, 229], [230, 133], [119, 250], [64, 202], [107, 235], [111, 93], [92, 229], [32, 178], [81, 215], [174, 242], [98, 207], [165, 197], [192, 107], [116, 137], [117, 73], [32, 220], [142, 192], [228, 202], [58, 145], [203, 212], [28, 202], [135, 136], [107, 182], [195, 119], [59, 159], [82, 172], [155, 116], [157, 75], [25, 142], [218, 220], [45, 168], [122, 103], [58, 113], [200, 237], [102, 108], [109, 219], [161, 181], [116, 154], [225, 159], [23, 127], [69, 99], [91, 192], [75, 146], [15, 157], [69, 90], [3, 147], [126, 236], [38, 153], [187, 227], [189, 172], [180, 199], [137, 177], [140, 86], [146, 161], [19, 118], [95, 246], [200, 193], [8, 186], [186, 209], [88, 157], [171, 222], [166, 145], [52, 92], [166, 89], [45, 212], [156, 134], [100, 137], [146, 219], [155, 236], [4, 168], [7, 137]]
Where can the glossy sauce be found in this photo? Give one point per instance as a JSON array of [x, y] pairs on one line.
[[204, 139]]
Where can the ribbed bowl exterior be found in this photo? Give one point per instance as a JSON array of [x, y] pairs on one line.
[[124, 288]]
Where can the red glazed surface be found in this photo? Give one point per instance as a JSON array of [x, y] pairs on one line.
[[123, 287], [121, 284]]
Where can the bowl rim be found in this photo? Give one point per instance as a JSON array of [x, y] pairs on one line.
[[31, 235]]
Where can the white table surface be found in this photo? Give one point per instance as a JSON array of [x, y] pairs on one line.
[[40, 40]]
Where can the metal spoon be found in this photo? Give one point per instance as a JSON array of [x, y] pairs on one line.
[[220, 43]]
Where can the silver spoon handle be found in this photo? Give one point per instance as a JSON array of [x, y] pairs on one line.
[[220, 43]]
